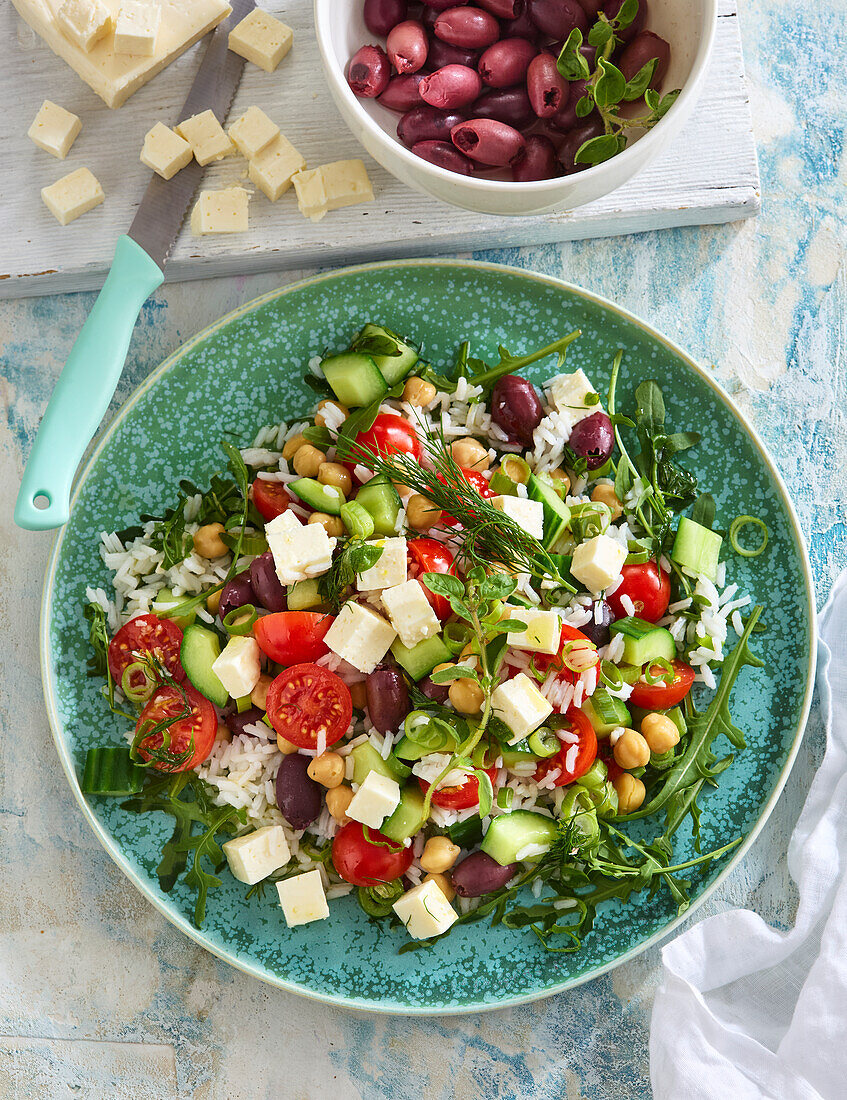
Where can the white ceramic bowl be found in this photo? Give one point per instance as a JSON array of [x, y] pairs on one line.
[[689, 26]]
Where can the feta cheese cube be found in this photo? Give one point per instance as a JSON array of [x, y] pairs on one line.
[[520, 704], [300, 551], [72, 195], [543, 629], [376, 799], [84, 22], [425, 911], [164, 151], [207, 138], [598, 562], [528, 514], [239, 666], [390, 568], [262, 39], [567, 394], [410, 613], [54, 129], [256, 855], [253, 132], [274, 167], [224, 211], [332, 186], [136, 28], [302, 898], [360, 636]]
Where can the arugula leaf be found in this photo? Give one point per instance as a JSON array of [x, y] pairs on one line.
[[703, 511]]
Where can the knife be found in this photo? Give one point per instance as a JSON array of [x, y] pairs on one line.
[[90, 376]]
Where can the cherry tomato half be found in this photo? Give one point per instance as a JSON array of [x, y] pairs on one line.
[[389, 434], [146, 634], [306, 699], [585, 755], [661, 696], [291, 637], [201, 724], [476, 481], [367, 858], [270, 498], [544, 661], [460, 797], [431, 556], [649, 588]]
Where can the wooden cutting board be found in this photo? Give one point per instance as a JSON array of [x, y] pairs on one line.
[[709, 174]]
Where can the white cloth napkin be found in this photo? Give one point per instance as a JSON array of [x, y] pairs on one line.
[[745, 1012]]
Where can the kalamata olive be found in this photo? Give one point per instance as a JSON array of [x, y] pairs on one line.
[[565, 118], [299, 798], [465, 26], [382, 15], [547, 89], [407, 46], [599, 633], [487, 141], [388, 699], [557, 18], [506, 62], [442, 53], [521, 26], [402, 92], [236, 593], [591, 7], [427, 123], [509, 105], [451, 87], [643, 48], [573, 140], [368, 72], [269, 592], [479, 874], [437, 692], [444, 155], [236, 722], [503, 9], [536, 161], [611, 9], [593, 438], [438, 6], [516, 408]]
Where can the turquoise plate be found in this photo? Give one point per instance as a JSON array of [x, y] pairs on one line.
[[245, 371]]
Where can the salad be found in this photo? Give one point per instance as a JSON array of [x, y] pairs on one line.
[[435, 646]]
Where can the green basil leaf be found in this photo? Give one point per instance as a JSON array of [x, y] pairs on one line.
[[639, 84], [601, 32], [443, 584], [596, 150], [584, 106], [626, 13], [571, 63], [611, 86]]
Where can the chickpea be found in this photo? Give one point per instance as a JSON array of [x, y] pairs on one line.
[[337, 801], [308, 460], [471, 650], [327, 769], [320, 420], [659, 732], [631, 750], [605, 494], [444, 885], [630, 792], [331, 524], [359, 695], [467, 696], [439, 854], [213, 601], [421, 513], [564, 477], [259, 694], [293, 445], [417, 392], [470, 454], [208, 542], [285, 746], [333, 473]]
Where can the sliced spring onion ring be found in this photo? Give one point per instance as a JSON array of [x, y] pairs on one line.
[[516, 468], [504, 797], [544, 743], [139, 693], [743, 521], [456, 636], [239, 621], [580, 656], [610, 675], [667, 674]]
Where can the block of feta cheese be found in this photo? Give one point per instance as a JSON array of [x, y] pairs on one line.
[[256, 855], [164, 151], [253, 132], [567, 394], [137, 27], [300, 550], [528, 514], [72, 195], [376, 799], [206, 136], [273, 169], [239, 665], [543, 632], [262, 39], [302, 898], [425, 911], [389, 569], [54, 129], [332, 186], [598, 562], [520, 704], [359, 636], [84, 22], [410, 613]]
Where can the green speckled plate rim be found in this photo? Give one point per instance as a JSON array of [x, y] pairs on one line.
[[178, 919]]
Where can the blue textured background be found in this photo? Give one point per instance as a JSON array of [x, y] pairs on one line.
[[99, 997]]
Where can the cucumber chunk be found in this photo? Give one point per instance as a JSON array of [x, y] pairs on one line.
[[697, 548], [605, 712], [522, 831], [199, 650], [408, 818], [381, 501], [323, 498], [304, 595], [392, 367], [557, 515], [422, 658], [164, 597], [643, 641], [355, 378], [366, 759]]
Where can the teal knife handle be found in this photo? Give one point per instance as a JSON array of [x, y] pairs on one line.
[[85, 388]]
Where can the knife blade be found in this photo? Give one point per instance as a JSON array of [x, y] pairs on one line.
[[90, 375]]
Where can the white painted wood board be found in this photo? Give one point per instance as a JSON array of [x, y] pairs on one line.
[[709, 175]]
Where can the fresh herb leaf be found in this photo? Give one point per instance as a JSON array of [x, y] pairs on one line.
[[353, 557]]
